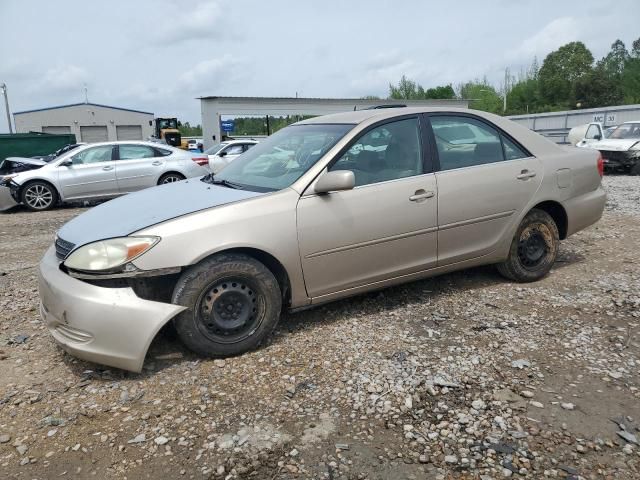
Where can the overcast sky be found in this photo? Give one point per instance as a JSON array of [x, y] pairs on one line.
[[158, 55]]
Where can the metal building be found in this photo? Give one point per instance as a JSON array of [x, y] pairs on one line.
[[214, 108], [90, 122], [556, 125]]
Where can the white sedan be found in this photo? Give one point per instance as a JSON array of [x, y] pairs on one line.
[[95, 171], [222, 154]]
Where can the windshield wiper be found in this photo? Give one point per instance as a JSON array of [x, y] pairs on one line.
[[210, 178]]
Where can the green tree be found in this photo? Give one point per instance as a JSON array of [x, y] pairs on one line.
[[630, 78], [481, 96], [598, 88], [406, 90], [561, 70], [440, 92]]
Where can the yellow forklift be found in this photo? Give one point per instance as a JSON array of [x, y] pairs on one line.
[[166, 129]]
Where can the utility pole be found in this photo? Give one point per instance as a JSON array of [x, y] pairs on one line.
[[6, 105], [86, 95]]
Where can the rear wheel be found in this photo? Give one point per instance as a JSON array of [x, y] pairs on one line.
[[38, 196], [635, 170], [533, 250], [170, 178], [233, 302]]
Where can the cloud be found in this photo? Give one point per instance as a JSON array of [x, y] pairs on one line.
[[202, 21], [211, 73], [384, 68], [63, 80], [556, 33]]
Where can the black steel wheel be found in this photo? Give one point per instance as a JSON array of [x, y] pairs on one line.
[[233, 301], [533, 250], [38, 196], [228, 310]]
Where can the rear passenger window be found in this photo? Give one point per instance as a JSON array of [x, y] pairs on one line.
[[387, 152], [511, 150], [466, 142]]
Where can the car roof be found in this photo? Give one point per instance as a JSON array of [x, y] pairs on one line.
[[129, 142], [358, 116], [231, 142]]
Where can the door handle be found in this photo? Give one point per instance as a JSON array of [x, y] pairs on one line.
[[107, 168], [156, 163], [420, 195], [525, 175]]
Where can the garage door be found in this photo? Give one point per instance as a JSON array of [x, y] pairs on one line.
[[56, 130], [129, 132], [94, 133]]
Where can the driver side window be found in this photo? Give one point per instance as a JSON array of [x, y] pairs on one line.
[[384, 153], [592, 132], [93, 155]]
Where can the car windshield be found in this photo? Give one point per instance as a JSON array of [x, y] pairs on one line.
[[626, 131], [215, 148], [282, 158]]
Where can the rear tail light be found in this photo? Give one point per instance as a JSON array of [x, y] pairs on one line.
[[600, 165], [202, 161]]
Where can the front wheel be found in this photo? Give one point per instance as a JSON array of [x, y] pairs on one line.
[[533, 250], [233, 301], [38, 196]]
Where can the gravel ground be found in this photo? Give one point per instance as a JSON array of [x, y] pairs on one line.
[[461, 376]]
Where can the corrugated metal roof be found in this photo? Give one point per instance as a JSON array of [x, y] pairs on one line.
[[80, 104]]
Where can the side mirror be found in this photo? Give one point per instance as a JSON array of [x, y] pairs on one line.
[[597, 136], [66, 163], [335, 181], [222, 154]]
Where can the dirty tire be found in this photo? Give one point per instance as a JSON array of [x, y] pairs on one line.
[[170, 178], [38, 196], [533, 250], [233, 301]]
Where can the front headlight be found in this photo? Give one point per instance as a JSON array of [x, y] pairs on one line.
[[108, 255]]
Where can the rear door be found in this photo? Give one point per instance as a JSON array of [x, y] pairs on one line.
[[137, 167], [91, 174], [485, 180], [383, 228]]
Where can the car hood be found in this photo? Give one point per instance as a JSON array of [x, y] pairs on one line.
[[128, 214], [621, 145], [27, 161]]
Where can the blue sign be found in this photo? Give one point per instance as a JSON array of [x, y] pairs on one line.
[[227, 125]]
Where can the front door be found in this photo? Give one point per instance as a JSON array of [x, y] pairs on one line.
[[137, 167], [91, 174], [383, 228], [485, 180]]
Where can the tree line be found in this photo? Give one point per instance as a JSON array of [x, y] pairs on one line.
[[568, 79]]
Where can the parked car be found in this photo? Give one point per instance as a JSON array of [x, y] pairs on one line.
[[222, 154], [620, 146], [194, 144], [367, 199], [96, 171]]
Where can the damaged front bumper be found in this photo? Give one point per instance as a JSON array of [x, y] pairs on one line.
[[110, 326], [6, 199]]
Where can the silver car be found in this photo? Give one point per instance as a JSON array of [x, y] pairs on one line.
[[359, 201], [96, 171]]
